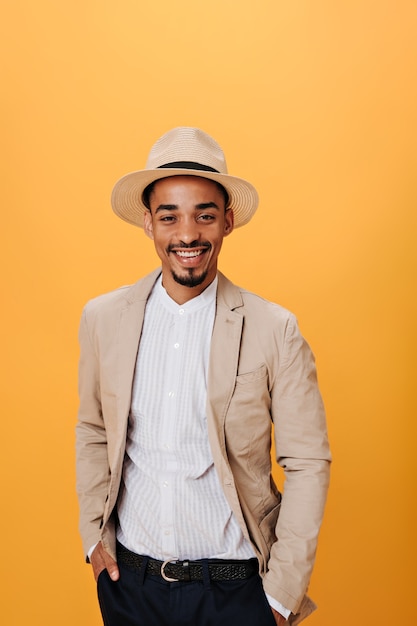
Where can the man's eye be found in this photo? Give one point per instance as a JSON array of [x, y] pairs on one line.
[[167, 218], [206, 217]]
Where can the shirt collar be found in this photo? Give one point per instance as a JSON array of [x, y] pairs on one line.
[[207, 297]]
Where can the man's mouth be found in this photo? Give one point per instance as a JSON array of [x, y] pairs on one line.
[[188, 254]]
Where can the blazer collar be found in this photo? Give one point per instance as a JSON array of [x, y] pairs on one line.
[[228, 295], [140, 291]]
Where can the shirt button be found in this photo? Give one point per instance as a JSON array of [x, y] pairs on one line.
[[171, 394], [176, 345], [181, 311], [165, 483]]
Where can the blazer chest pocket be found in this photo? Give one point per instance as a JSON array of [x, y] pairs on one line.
[[248, 420], [253, 377], [251, 391]]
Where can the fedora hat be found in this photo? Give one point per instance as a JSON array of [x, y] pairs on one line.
[[183, 151]]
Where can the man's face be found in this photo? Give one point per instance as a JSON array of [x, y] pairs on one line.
[[187, 223]]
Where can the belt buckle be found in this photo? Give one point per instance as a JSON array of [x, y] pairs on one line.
[[164, 576]]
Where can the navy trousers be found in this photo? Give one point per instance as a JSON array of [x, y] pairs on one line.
[[137, 599]]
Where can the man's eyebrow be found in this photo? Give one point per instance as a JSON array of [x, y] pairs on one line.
[[198, 207], [207, 205], [166, 207]]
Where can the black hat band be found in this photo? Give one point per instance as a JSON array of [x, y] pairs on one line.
[[188, 165]]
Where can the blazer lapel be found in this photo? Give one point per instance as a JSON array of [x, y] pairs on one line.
[[130, 328], [223, 368], [224, 358]]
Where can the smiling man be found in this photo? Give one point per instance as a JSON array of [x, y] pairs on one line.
[[187, 220], [181, 377]]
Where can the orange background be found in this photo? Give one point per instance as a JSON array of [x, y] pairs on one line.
[[313, 102]]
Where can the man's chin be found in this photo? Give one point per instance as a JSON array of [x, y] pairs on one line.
[[190, 279]]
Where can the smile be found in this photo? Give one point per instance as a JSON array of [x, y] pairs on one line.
[[188, 254]]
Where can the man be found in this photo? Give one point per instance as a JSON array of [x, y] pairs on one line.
[[181, 377]]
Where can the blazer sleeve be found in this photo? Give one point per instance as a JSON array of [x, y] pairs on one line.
[[303, 452], [91, 441]]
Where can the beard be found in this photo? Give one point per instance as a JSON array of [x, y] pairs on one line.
[[191, 279]]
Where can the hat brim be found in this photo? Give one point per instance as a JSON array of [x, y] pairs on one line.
[[126, 198]]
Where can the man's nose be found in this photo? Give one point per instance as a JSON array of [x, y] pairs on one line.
[[188, 231]]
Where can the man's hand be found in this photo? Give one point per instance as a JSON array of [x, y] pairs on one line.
[[100, 560], [280, 619]]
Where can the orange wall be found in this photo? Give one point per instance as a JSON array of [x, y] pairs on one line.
[[315, 103]]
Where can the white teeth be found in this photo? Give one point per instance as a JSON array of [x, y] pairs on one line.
[[188, 253]]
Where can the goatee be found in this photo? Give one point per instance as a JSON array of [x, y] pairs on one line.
[[191, 279]]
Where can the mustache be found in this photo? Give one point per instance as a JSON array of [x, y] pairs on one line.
[[188, 246]]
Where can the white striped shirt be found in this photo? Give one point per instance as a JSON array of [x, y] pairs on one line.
[[172, 505]]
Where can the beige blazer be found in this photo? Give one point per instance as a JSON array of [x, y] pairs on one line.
[[262, 380]]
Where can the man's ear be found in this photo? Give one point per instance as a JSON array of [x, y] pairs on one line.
[[229, 222], [147, 224]]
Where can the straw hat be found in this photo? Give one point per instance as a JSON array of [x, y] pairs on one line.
[[183, 151]]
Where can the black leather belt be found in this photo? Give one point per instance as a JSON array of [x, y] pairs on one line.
[[186, 571]]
